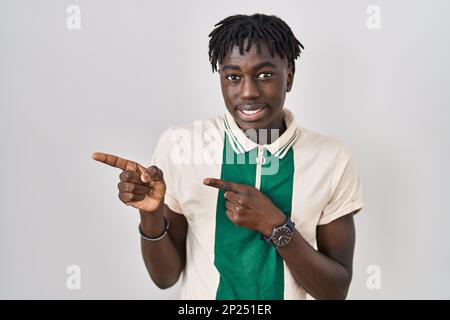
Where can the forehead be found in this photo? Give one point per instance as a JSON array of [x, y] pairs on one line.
[[252, 57]]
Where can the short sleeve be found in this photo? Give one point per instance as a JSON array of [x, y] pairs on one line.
[[162, 159], [345, 189]]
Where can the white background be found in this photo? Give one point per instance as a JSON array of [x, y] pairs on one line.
[[138, 67]]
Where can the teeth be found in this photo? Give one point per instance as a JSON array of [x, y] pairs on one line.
[[250, 112]]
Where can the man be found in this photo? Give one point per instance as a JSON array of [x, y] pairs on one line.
[[282, 190]]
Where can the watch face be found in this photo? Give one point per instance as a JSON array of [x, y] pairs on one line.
[[282, 236]]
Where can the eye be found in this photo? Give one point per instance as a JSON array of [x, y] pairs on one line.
[[232, 77], [266, 75]]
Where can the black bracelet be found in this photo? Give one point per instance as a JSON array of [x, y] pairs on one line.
[[166, 229]]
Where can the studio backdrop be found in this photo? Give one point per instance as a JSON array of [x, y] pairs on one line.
[[82, 76]]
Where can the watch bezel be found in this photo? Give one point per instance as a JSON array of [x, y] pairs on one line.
[[282, 231], [289, 225]]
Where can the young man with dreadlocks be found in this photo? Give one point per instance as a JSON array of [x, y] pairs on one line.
[[268, 216]]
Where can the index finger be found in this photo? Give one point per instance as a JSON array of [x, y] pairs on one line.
[[226, 185], [117, 162]]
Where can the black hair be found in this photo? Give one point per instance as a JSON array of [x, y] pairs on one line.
[[233, 30]]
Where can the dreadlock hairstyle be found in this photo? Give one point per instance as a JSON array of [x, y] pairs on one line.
[[233, 30]]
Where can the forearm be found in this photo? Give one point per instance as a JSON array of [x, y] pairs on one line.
[[161, 258], [317, 274]]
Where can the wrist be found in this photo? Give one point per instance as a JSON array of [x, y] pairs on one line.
[[152, 223], [160, 208], [157, 238], [276, 220], [281, 235]]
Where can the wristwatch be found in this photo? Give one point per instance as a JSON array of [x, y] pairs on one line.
[[281, 235]]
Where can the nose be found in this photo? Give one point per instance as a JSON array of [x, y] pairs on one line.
[[250, 89]]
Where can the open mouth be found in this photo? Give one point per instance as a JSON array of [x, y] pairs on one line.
[[249, 112], [252, 115]]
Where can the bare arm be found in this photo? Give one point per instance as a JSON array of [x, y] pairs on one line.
[[164, 259], [326, 273]]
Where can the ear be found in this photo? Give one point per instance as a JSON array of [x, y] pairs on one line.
[[290, 80]]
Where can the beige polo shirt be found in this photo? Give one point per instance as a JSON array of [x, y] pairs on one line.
[[310, 177]]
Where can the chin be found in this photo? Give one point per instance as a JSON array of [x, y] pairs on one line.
[[255, 125]]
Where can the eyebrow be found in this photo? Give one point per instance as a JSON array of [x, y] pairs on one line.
[[258, 66]]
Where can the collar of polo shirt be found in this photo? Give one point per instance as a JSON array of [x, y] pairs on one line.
[[241, 143]]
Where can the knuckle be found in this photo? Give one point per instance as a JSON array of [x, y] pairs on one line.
[[122, 197], [124, 187], [250, 189], [128, 175], [125, 197], [124, 176], [236, 219]]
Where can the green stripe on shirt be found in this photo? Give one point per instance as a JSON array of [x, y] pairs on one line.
[[250, 268]]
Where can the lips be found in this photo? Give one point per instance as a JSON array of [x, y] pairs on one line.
[[251, 112]]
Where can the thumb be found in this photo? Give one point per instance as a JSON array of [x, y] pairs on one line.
[[152, 173]]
